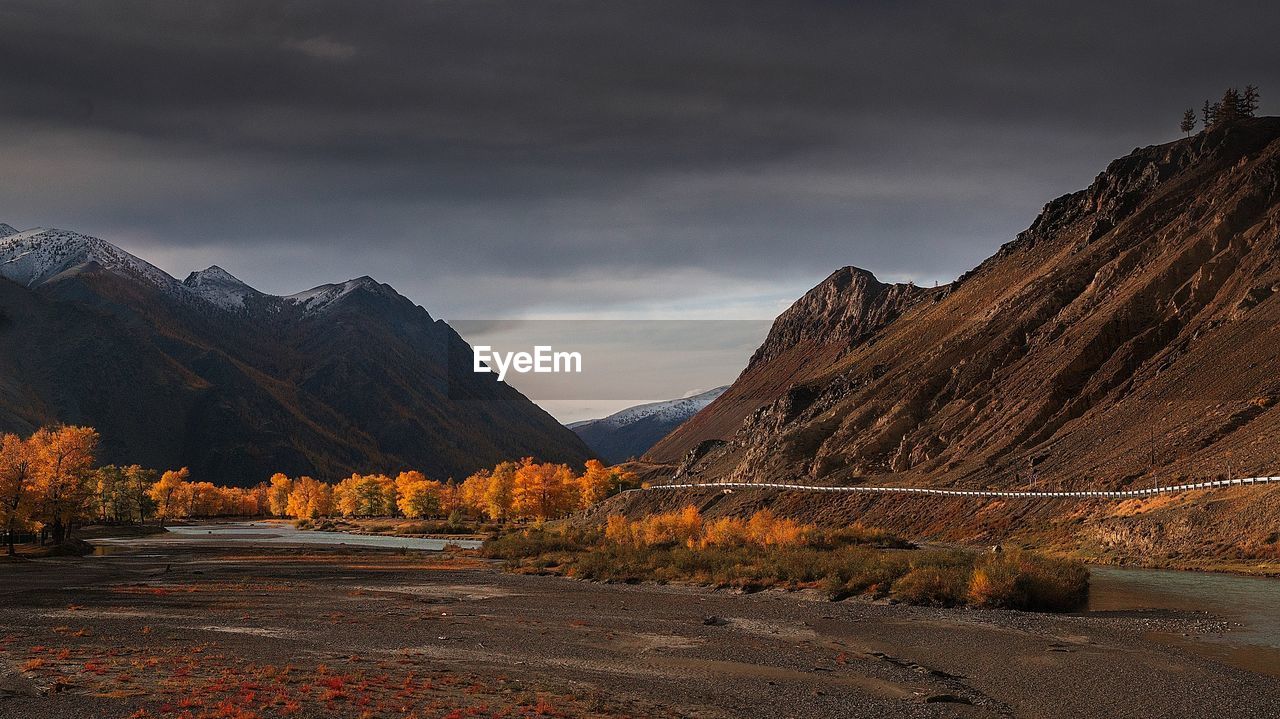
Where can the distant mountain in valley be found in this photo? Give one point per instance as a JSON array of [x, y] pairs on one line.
[[630, 433], [236, 383]]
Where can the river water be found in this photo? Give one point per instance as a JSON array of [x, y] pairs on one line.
[[1251, 604], [268, 533]]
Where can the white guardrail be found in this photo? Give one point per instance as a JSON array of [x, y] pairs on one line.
[[1103, 494]]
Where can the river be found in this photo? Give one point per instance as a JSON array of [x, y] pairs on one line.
[[1251, 604], [268, 533]]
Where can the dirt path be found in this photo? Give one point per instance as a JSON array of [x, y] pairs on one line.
[[275, 631]]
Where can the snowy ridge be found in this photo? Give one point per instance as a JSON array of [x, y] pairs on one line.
[[33, 257], [317, 299], [36, 256], [219, 287], [672, 411]]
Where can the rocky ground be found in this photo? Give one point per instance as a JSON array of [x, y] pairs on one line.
[[187, 630]]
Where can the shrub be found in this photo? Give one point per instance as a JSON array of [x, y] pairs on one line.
[[724, 532], [767, 529], [1021, 580], [303, 524], [672, 528], [538, 541], [859, 535], [1054, 585], [933, 586], [862, 570], [765, 551], [997, 585]]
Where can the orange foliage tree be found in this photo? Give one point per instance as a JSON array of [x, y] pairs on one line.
[[62, 464], [278, 494], [544, 491], [171, 494], [309, 498], [16, 491]]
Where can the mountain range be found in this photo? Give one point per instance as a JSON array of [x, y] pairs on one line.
[[1128, 336], [631, 432], [235, 383]]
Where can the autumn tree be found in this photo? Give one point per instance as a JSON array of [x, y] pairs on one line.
[[170, 494], [310, 498], [595, 482], [599, 481], [204, 499], [418, 497], [62, 464], [15, 487], [364, 495], [278, 494], [499, 493], [451, 499], [261, 501], [471, 493], [544, 491]]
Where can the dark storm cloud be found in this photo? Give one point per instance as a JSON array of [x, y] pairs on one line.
[[485, 156]]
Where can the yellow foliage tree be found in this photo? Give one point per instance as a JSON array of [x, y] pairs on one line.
[[62, 463], [309, 498], [471, 493], [544, 491], [499, 492], [419, 499], [171, 494], [599, 481], [364, 495], [16, 490], [278, 494]]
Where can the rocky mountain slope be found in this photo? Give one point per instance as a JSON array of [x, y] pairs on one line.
[[831, 320], [1128, 336], [235, 383], [630, 433]]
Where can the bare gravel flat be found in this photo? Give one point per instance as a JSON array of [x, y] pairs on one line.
[[164, 628]]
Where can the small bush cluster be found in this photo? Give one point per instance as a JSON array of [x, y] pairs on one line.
[[769, 551]]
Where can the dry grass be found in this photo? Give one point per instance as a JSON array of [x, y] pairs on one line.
[[768, 551]]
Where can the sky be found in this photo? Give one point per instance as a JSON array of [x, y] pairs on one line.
[[625, 160]]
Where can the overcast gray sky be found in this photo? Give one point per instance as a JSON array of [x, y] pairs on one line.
[[589, 159]]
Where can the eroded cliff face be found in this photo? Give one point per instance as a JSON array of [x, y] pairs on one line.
[[845, 309], [842, 312], [1129, 334]]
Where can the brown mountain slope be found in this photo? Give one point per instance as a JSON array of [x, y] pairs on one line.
[[1129, 334], [845, 310]]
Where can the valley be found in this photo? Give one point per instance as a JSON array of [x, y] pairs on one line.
[[160, 627]]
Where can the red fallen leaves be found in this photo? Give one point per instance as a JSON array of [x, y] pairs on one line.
[[221, 686]]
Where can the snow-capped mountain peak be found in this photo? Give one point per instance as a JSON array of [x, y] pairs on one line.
[[219, 287], [632, 431], [37, 256], [318, 299], [674, 410], [34, 257]]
